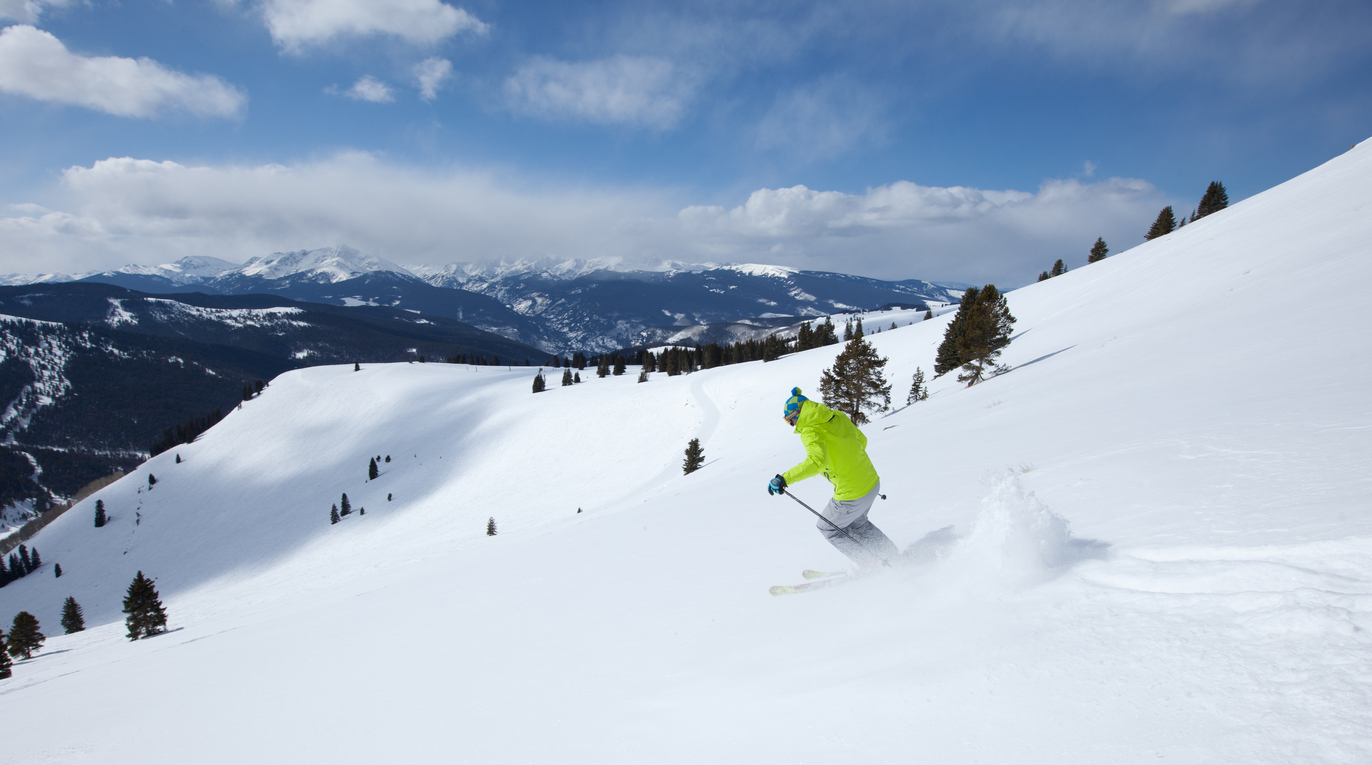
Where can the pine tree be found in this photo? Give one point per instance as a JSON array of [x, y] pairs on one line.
[[1059, 268], [986, 334], [602, 368], [1165, 224], [145, 615], [1215, 199], [178, 459], [619, 366], [1098, 251], [57, 570], [1043, 276], [490, 527], [6, 663], [333, 514], [72, 618], [372, 471], [566, 377], [576, 377], [35, 560], [25, 638], [345, 507], [539, 383], [357, 367], [695, 457], [848, 330], [24, 560], [99, 513], [918, 391], [856, 384], [928, 314], [152, 480], [947, 358]]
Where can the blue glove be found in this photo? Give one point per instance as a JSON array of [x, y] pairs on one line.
[[777, 485]]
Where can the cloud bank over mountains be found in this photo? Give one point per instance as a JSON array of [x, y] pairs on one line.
[[124, 210]]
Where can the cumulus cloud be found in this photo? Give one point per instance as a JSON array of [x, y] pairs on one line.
[[296, 24], [37, 65], [904, 229], [621, 90], [124, 210], [367, 88], [431, 73]]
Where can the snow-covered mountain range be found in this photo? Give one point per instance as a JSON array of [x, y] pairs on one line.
[[1148, 540], [559, 307]]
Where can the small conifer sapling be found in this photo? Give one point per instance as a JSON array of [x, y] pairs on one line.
[[333, 514], [918, 391], [372, 471], [490, 527], [57, 570], [25, 637], [344, 506], [99, 513], [144, 613], [695, 457], [72, 618]]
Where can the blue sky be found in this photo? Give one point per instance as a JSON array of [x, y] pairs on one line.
[[975, 140]]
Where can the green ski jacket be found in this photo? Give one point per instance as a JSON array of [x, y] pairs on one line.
[[835, 447]]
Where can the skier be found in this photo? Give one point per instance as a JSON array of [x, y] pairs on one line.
[[835, 447]]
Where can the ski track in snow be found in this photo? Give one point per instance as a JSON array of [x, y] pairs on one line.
[[1151, 547]]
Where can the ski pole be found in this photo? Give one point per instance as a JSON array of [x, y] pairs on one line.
[[838, 528]]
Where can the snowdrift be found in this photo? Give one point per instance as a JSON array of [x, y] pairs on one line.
[[1149, 539]]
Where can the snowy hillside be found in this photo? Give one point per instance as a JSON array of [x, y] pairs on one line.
[[1160, 548]]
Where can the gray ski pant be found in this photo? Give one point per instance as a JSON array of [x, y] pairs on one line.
[[851, 516]]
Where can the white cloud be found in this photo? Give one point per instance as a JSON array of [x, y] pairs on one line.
[[431, 74], [621, 90], [368, 88], [35, 64], [295, 24], [28, 11], [123, 210], [823, 119]]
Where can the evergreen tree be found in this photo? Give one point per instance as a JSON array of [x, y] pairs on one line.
[[490, 527], [1043, 276], [1165, 224], [643, 376], [152, 480], [178, 459], [72, 618], [1215, 199], [695, 457], [848, 330], [333, 514], [1098, 251], [345, 507], [619, 366], [372, 471], [145, 615], [25, 638], [57, 570], [357, 367], [918, 391], [6, 663], [928, 314], [24, 560], [566, 377], [99, 513], [35, 560], [857, 330], [388, 458], [1059, 268], [825, 334], [947, 358], [16, 568], [986, 334], [856, 384], [576, 377], [539, 384], [603, 367]]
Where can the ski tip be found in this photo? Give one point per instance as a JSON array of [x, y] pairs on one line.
[[810, 573]]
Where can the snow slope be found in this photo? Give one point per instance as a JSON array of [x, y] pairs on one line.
[[1160, 548]]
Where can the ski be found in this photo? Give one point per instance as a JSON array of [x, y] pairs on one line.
[[810, 573], [818, 584]]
